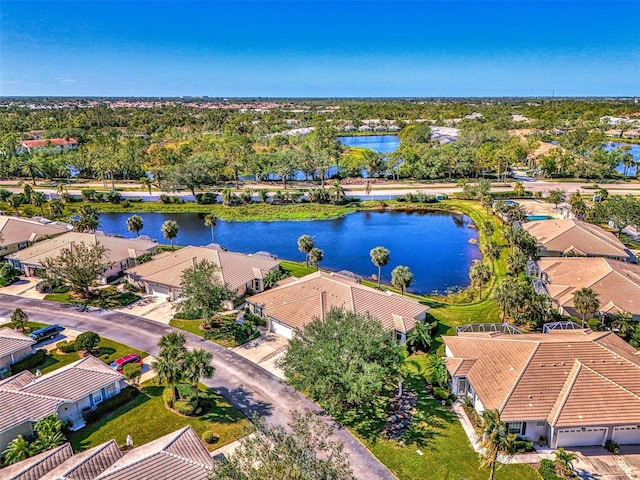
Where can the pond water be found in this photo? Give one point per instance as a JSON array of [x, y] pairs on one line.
[[635, 151], [378, 143], [434, 245]]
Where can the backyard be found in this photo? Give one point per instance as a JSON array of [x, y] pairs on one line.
[[145, 418]]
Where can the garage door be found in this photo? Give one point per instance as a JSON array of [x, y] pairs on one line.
[[281, 329], [627, 435], [160, 291], [580, 437]]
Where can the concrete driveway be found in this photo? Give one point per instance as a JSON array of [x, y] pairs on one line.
[[158, 309], [596, 463], [265, 351], [26, 287]]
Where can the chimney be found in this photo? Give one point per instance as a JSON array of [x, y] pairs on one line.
[[131, 252], [194, 261], [72, 245]]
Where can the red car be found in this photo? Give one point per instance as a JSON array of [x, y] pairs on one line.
[[121, 362]]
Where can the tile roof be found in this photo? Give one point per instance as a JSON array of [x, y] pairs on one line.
[[180, 454], [535, 376], [118, 248], [17, 230], [565, 235], [41, 396], [616, 283], [88, 464], [12, 341], [35, 467], [45, 142], [298, 302], [236, 269]]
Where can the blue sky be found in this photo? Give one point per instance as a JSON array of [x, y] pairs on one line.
[[319, 49]]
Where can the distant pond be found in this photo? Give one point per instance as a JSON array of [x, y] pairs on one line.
[[378, 143], [635, 152], [434, 245]]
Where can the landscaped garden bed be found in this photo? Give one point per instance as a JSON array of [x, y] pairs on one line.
[[223, 330], [108, 298]]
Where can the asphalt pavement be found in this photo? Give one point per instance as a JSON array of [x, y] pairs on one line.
[[247, 386]]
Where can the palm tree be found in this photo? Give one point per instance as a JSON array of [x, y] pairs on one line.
[[492, 252], [316, 255], [563, 463], [479, 274], [19, 318], [401, 277], [55, 207], [172, 344], [622, 322], [197, 365], [379, 257], [210, 220], [170, 230], [436, 371], [15, 201], [305, 245], [585, 302], [38, 199], [487, 202], [495, 440], [49, 434], [135, 224], [227, 196], [504, 297], [337, 192], [557, 196], [61, 189], [420, 337], [17, 450], [170, 372], [28, 191], [146, 182]]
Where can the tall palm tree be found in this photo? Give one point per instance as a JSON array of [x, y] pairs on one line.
[[316, 255], [563, 463], [401, 277], [170, 230], [380, 256], [38, 199], [55, 207], [337, 192], [170, 372], [173, 343], [495, 440], [146, 182], [586, 302], [622, 322], [436, 371], [305, 245], [492, 252], [15, 201], [135, 224], [197, 365], [210, 220], [17, 450], [479, 274]]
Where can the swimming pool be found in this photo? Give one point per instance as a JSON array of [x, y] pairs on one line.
[[537, 217]]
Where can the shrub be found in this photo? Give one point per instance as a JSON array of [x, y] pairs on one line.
[[167, 396], [165, 198], [209, 436], [145, 257], [521, 445], [206, 198], [4, 194], [185, 407], [8, 274], [109, 405], [594, 324], [547, 470], [132, 372], [441, 393], [612, 446], [126, 203], [66, 347], [31, 362]]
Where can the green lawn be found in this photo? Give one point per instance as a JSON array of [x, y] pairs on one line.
[[438, 435], [225, 334], [191, 326], [145, 418], [109, 351], [296, 269], [102, 300]]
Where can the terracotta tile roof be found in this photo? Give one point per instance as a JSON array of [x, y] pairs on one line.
[[87, 465], [118, 248], [535, 377], [11, 341], [298, 302], [53, 142], [616, 283], [564, 235], [17, 230], [34, 468], [42, 395], [17, 381], [178, 455], [236, 269]]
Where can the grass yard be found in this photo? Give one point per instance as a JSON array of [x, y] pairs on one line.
[[109, 351], [107, 298], [145, 418], [191, 326], [226, 334], [296, 269], [437, 433]]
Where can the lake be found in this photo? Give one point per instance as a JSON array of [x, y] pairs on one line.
[[635, 151], [434, 245], [378, 143]]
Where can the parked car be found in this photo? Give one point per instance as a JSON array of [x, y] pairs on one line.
[[45, 332], [127, 359]]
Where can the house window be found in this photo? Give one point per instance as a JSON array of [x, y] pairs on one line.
[[541, 423], [462, 386], [514, 427]]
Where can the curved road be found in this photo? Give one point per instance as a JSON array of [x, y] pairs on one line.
[[245, 385]]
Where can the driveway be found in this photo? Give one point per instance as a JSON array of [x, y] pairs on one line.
[[265, 351], [596, 463], [247, 386], [158, 309], [26, 287]]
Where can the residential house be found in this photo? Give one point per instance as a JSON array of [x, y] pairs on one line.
[[575, 238], [27, 398], [55, 144], [14, 346], [178, 455], [296, 302], [17, 233], [121, 252], [240, 272], [33, 468], [616, 283], [566, 388]]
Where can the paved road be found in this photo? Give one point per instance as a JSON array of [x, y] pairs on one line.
[[247, 386]]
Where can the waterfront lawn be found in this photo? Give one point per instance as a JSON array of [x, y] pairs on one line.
[[145, 418], [296, 269], [109, 351], [446, 453]]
